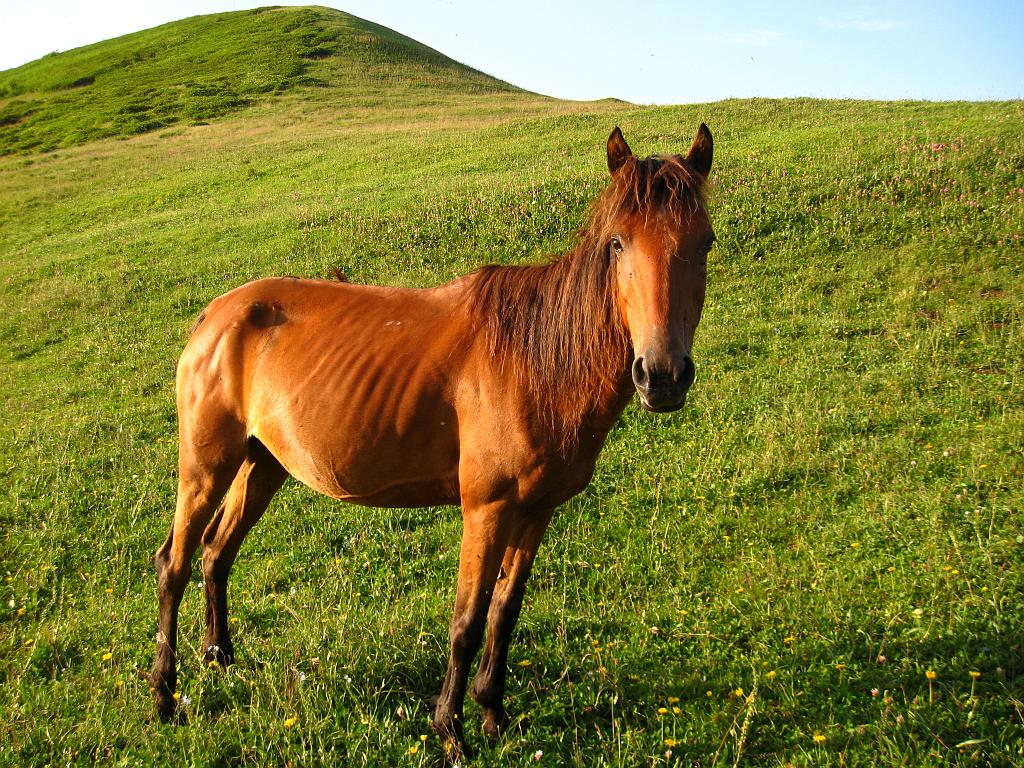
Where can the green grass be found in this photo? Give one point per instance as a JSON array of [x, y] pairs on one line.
[[837, 510]]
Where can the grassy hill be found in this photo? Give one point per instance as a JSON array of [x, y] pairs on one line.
[[204, 67], [835, 514]]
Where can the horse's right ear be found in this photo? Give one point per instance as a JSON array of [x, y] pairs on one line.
[[618, 151]]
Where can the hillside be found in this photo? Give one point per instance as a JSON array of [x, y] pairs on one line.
[[818, 561], [204, 67]]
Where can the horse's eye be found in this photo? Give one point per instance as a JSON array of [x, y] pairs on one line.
[[616, 245]]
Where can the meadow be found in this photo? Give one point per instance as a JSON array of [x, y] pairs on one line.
[[817, 562]]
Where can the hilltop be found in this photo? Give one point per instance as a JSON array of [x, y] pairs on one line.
[[204, 67]]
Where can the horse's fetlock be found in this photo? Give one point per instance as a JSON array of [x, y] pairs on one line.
[[485, 694]]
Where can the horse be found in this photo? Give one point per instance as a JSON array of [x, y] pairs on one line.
[[494, 392]]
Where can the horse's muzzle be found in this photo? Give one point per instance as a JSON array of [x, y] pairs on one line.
[[663, 386]]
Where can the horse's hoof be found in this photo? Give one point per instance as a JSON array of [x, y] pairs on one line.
[[166, 708], [456, 751], [453, 741], [495, 723], [221, 655], [163, 697]]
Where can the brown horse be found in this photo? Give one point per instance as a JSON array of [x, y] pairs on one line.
[[495, 391]]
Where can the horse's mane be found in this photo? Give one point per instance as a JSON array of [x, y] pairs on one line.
[[557, 325]]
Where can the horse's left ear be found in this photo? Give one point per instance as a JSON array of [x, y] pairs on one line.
[[699, 156], [618, 151]]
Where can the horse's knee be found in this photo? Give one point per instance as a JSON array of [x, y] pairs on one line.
[[466, 633], [503, 619], [213, 566], [172, 577]]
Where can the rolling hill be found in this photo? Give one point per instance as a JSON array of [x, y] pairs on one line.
[[201, 68], [817, 562]]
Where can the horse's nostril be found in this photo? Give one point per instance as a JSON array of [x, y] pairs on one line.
[[639, 373], [688, 374]]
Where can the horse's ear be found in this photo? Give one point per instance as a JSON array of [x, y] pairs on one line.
[[699, 156], [618, 151]]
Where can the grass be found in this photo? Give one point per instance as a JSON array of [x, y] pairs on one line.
[[835, 514]]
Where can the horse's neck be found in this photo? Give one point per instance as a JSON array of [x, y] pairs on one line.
[[557, 328], [598, 422]]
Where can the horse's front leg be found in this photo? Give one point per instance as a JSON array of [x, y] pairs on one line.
[[489, 684], [484, 538]]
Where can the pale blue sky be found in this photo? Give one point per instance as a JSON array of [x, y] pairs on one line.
[[645, 51]]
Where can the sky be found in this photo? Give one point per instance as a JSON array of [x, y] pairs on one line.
[[643, 51]]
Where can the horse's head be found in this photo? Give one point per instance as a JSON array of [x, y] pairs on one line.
[[658, 233]]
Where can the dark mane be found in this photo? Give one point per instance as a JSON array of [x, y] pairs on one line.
[[560, 321]]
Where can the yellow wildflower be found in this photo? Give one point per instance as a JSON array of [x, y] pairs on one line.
[[975, 674], [291, 722], [931, 674], [670, 742], [771, 675], [662, 711], [819, 738], [414, 749], [107, 656]]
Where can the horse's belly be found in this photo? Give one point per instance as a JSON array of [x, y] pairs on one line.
[[410, 494], [378, 475], [394, 452]]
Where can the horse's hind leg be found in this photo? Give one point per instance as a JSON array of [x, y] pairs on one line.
[[258, 479], [204, 474]]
